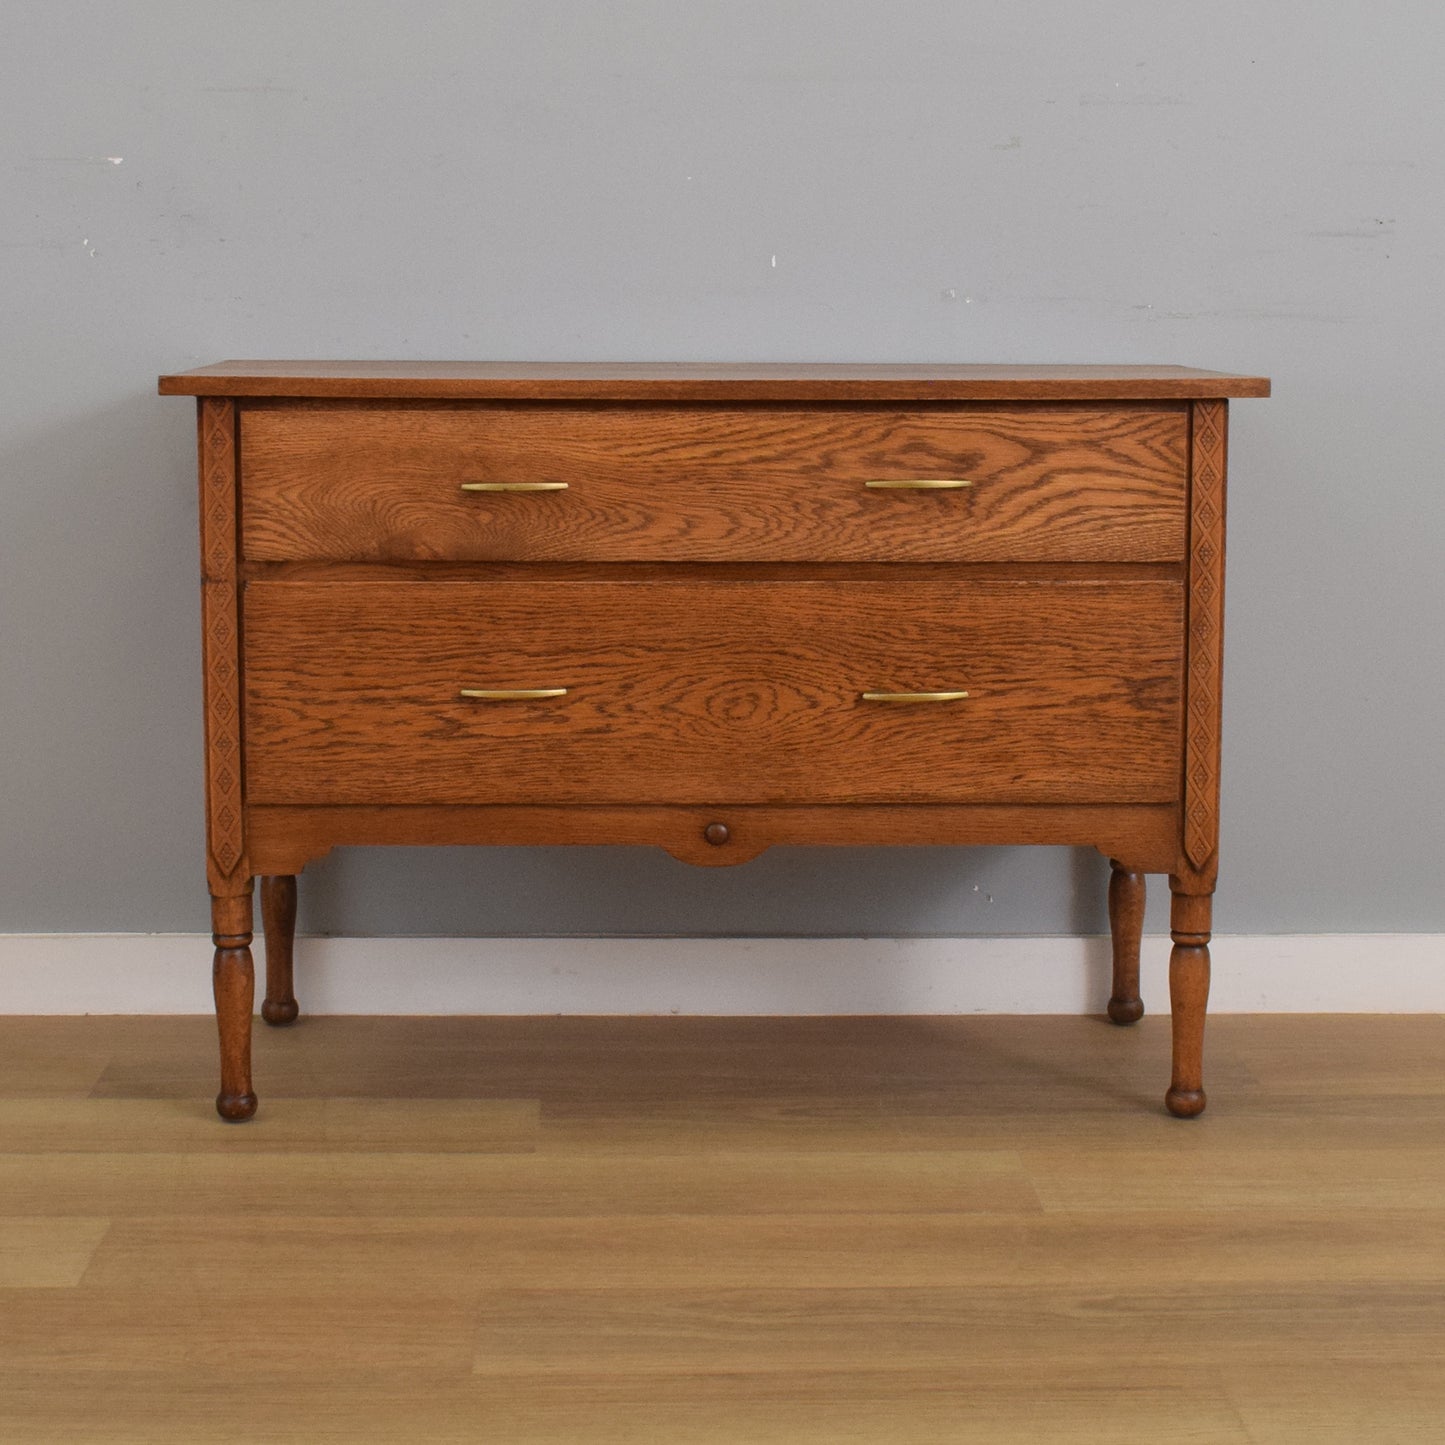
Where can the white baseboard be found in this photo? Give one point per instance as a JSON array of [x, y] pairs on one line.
[[170, 974]]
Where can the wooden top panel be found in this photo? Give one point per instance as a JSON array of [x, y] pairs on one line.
[[704, 381]]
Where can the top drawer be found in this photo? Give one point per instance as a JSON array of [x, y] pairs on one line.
[[385, 482]]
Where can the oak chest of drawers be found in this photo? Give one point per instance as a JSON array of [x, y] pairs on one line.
[[713, 608]]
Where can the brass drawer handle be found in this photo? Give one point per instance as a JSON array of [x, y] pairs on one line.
[[514, 486], [913, 696], [919, 484], [512, 694]]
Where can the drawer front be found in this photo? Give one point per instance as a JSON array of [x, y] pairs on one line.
[[351, 481], [713, 691]]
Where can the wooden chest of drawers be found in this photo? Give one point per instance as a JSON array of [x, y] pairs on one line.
[[712, 608]]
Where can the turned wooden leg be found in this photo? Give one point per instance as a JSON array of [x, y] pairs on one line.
[[1126, 924], [1189, 919], [233, 978], [278, 919]]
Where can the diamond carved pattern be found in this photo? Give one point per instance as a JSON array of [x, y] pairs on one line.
[[1206, 618], [218, 488], [220, 642]]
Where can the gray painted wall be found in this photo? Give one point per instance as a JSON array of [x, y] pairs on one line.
[[1242, 186]]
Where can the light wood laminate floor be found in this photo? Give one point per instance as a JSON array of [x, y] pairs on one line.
[[689, 1231]]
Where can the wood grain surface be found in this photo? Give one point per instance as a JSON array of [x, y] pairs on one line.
[[284, 838], [699, 692], [903, 1231], [383, 483], [704, 381], [226, 868], [712, 595], [1210, 431]]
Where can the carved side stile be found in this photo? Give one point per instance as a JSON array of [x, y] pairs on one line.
[[221, 643], [1206, 633]]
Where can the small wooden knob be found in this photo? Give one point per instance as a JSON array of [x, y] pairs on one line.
[[717, 834]]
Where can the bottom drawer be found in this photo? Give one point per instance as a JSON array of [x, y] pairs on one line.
[[713, 691]]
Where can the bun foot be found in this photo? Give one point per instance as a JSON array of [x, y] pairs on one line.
[[279, 1012], [1126, 1010], [235, 1108], [1185, 1103]]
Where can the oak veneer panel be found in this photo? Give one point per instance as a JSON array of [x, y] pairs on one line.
[[172, 1325], [382, 483], [31, 1066], [373, 1405], [1262, 1176], [692, 1070], [501, 1185], [917, 1117], [704, 381], [41, 1253], [328, 1125], [1363, 1078], [692, 692], [1340, 1398], [774, 1329], [459, 1258]]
